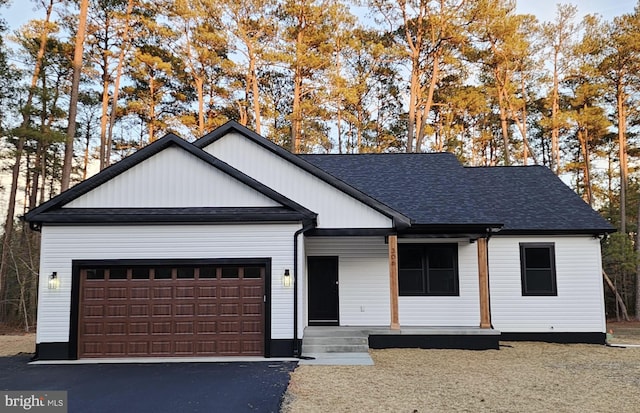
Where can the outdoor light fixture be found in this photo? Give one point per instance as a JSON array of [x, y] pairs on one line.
[[54, 281], [286, 279]]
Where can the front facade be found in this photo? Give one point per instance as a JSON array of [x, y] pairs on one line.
[[232, 246]]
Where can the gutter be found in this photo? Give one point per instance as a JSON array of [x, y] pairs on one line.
[[305, 227]]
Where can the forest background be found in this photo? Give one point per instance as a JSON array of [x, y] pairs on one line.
[[87, 82]]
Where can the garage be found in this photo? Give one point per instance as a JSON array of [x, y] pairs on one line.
[[161, 309]]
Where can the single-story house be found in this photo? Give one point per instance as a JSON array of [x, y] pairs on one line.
[[232, 245]]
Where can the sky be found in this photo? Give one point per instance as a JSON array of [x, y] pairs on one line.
[[21, 11], [545, 10]]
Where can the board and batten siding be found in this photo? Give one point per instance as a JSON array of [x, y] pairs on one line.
[[62, 244], [438, 311], [363, 277], [172, 178], [335, 209], [579, 305]]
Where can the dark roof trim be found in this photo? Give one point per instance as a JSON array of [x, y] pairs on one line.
[[146, 153], [400, 220], [168, 215], [452, 229], [444, 235], [593, 231], [349, 232]]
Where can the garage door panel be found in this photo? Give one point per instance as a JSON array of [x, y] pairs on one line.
[[139, 329], [90, 311], [207, 292], [185, 292], [207, 327], [117, 293], [162, 311], [185, 327], [140, 293], [185, 310], [119, 310], [162, 292], [207, 309], [94, 293], [115, 329], [139, 310], [138, 348]]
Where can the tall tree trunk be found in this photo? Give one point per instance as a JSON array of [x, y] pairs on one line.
[[15, 170], [505, 133], [435, 73], [73, 103], [199, 81], [116, 85], [584, 146], [255, 91], [152, 110], [638, 263], [555, 130], [105, 112], [622, 149], [414, 91], [296, 121]]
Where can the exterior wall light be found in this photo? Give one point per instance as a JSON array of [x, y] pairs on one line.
[[54, 281], [286, 279]]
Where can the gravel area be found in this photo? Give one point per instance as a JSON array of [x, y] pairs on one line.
[[521, 376]]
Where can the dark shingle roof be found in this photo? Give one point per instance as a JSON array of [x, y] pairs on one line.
[[434, 189]]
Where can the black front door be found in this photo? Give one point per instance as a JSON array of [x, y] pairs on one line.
[[323, 291]]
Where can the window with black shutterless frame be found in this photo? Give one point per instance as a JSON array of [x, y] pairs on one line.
[[538, 269], [428, 269]]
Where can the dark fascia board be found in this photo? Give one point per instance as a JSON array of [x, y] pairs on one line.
[[401, 221], [482, 228], [349, 232], [593, 231], [146, 153], [169, 215]]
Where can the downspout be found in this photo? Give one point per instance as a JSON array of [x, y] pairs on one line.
[[305, 227]]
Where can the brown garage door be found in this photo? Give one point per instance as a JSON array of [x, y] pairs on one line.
[[186, 310]]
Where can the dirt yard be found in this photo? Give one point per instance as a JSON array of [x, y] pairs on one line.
[[521, 376], [14, 341]]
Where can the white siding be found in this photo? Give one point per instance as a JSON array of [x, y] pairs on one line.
[[335, 209], [459, 311], [172, 178], [363, 276], [61, 245], [579, 305]]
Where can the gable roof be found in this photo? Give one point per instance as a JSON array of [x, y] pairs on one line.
[[51, 207], [434, 189], [400, 220]]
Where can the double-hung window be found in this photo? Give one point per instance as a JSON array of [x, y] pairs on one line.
[[428, 269]]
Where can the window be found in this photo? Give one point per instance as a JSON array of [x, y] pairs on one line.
[[428, 269], [538, 269]]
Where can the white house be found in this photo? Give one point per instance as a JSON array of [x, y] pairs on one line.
[[232, 246]]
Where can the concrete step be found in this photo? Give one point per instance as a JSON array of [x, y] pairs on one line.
[[334, 348], [333, 332], [336, 340]]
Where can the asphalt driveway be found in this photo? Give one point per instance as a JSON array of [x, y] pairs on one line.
[[164, 387]]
